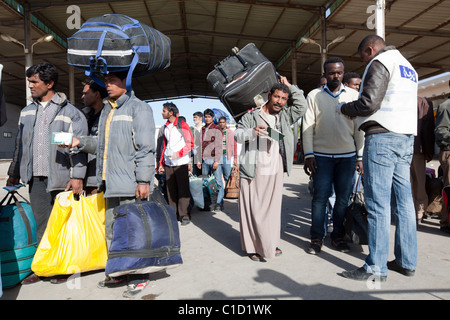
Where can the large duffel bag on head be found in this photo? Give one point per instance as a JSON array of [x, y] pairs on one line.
[[241, 77], [145, 239], [18, 240], [115, 42]]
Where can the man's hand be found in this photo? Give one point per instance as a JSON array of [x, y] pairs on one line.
[[215, 165], [359, 167], [76, 185], [12, 181], [310, 166], [143, 191], [261, 131], [284, 80], [75, 143]]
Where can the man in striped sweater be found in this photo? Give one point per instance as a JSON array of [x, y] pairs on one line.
[[333, 148]]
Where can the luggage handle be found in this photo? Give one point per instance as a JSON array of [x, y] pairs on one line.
[[22, 212], [235, 52], [12, 197], [227, 77], [241, 60], [353, 198], [146, 224]]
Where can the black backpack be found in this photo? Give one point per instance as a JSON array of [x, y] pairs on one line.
[[114, 43]]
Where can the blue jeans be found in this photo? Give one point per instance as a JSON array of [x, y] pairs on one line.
[[331, 171], [225, 165], [208, 170], [386, 162]]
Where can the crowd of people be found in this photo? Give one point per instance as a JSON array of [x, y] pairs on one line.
[[350, 123]]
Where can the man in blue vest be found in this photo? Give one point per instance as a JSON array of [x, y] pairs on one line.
[[387, 112]]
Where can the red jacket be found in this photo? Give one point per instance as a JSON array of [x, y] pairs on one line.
[[185, 131], [212, 142]]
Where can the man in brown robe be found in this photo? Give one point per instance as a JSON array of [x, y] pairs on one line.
[[268, 144]]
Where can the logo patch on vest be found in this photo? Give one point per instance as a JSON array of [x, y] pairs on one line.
[[408, 73]]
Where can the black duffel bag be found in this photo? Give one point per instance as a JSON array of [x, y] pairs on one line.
[[114, 43]]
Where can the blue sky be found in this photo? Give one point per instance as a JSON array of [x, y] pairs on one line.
[[187, 107]]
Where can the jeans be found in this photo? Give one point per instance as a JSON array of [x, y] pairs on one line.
[[207, 170], [225, 165], [331, 171], [386, 163]]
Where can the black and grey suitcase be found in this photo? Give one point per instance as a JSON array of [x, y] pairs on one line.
[[241, 77]]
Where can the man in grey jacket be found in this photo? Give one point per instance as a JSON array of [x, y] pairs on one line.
[[125, 148], [442, 134], [45, 167]]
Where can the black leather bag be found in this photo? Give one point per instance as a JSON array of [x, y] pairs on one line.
[[355, 222]]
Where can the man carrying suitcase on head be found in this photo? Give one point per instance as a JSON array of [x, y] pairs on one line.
[[125, 148]]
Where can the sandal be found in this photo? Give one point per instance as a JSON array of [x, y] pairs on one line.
[[256, 257], [278, 252]]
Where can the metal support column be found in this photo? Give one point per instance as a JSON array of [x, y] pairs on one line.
[[294, 82], [27, 48], [323, 22], [380, 18], [72, 84]]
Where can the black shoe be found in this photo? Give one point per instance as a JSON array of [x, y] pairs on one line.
[[315, 246], [218, 207], [393, 265], [361, 274], [446, 229], [340, 245]]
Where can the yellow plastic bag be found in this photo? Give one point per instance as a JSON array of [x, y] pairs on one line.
[[74, 240]]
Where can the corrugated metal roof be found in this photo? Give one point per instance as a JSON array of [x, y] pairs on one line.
[[204, 31]]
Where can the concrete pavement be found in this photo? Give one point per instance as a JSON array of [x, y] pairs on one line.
[[216, 268]]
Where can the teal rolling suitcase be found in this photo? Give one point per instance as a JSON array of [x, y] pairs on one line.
[[17, 239]]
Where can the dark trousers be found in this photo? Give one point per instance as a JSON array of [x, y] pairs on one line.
[[177, 182], [41, 203]]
